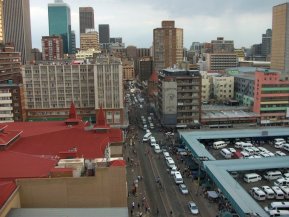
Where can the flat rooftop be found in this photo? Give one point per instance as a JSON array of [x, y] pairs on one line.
[[228, 114]]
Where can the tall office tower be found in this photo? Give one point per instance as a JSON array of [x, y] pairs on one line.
[[52, 48], [89, 41], [17, 27], [1, 22], [168, 45], [104, 36], [73, 42], [266, 43], [280, 39], [86, 19], [60, 23]]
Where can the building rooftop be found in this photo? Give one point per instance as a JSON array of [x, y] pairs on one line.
[[179, 72], [229, 114]]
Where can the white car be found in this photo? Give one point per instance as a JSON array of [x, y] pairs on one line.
[[280, 153], [193, 208], [279, 144], [173, 170], [183, 189], [166, 154], [157, 149], [232, 150]]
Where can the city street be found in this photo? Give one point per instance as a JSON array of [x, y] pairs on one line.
[[147, 197]]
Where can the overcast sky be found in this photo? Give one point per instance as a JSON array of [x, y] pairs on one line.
[[243, 21]]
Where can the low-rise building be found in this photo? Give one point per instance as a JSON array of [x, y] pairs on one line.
[[223, 88], [221, 61]]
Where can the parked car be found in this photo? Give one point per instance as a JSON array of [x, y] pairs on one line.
[[193, 207], [173, 170], [183, 189]]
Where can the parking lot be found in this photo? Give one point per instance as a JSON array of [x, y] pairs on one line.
[[264, 146]]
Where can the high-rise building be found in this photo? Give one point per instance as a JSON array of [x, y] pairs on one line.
[[115, 40], [266, 43], [168, 45], [280, 39], [60, 11], [131, 52], [104, 35], [52, 48], [17, 26], [1, 22], [143, 52], [89, 41], [73, 42], [86, 19]]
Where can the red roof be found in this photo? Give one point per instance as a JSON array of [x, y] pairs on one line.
[[6, 189], [101, 120], [154, 76], [117, 163], [73, 117], [7, 136], [18, 165]]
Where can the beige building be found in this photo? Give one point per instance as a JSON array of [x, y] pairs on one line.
[[280, 39], [167, 45], [223, 88], [128, 70], [49, 90], [206, 86], [89, 40], [220, 61]]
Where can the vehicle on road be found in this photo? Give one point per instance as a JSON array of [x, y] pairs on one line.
[[173, 170], [157, 149], [166, 154], [178, 178], [183, 188], [146, 137], [170, 162], [193, 207]]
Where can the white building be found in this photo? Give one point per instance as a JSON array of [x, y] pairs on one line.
[[6, 114]]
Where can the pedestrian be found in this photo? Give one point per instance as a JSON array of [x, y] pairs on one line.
[[140, 214], [131, 212], [158, 211], [171, 212], [138, 205], [132, 205]]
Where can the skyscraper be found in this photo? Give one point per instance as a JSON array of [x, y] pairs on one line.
[[17, 27], [168, 45], [280, 39], [60, 23], [104, 36], [86, 19], [266, 43], [73, 42]]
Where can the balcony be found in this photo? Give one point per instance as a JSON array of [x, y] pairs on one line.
[[6, 108], [6, 115], [5, 94], [7, 101]]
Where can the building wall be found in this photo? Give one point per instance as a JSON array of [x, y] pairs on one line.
[[13, 202], [17, 27], [52, 48], [107, 189], [86, 19], [223, 88], [2, 35], [104, 34], [89, 41], [219, 62], [145, 68], [280, 38], [271, 98], [206, 86], [128, 72], [168, 45]]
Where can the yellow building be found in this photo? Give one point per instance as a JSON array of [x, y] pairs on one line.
[[89, 40], [1, 22]]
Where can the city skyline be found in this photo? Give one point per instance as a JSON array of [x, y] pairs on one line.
[[244, 22]]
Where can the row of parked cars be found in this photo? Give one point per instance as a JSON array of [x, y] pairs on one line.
[[150, 124]]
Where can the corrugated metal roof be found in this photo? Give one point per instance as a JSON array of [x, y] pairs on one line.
[[69, 212]]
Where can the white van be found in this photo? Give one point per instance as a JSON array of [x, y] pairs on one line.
[[272, 175], [166, 154], [146, 137], [279, 194], [277, 206], [257, 193], [281, 181], [249, 150], [170, 162], [285, 189], [252, 177], [157, 149], [279, 140], [246, 145], [268, 191], [178, 178], [226, 153], [219, 144]]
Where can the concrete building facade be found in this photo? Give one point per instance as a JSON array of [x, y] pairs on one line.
[[145, 68], [280, 39], [266, 43], [52, 48], [271, 98], [89, 41], [223, 88], [104, 33], [86, 19], [179, 98], [220, 61], [128, 70], [222, 46], [167, 45], [1, 23], [17, 27]]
